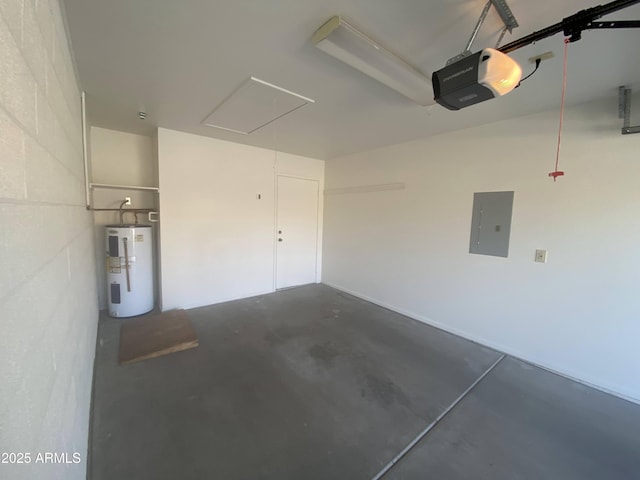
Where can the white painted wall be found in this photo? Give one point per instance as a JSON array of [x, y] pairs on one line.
[[119, 158], [48, 308], [408, 249], [217, 237], [122, 158]]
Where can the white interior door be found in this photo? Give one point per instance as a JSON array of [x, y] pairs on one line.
[[296, 231]]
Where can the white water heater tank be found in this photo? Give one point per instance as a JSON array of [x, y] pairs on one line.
[[129, 269]]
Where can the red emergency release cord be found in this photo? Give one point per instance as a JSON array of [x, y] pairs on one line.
[[557, 173]]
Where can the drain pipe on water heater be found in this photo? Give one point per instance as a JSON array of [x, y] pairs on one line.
[[125, 241]]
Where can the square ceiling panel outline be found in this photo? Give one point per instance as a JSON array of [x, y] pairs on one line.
[[253, 105]]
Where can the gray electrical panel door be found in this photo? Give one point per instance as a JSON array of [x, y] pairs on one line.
[[491, 223]]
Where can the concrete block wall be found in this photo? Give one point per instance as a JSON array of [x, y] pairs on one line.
[[48, 295]]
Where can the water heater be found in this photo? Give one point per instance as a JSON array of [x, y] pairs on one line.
[[129, 269]]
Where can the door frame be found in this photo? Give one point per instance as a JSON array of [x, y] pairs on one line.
[[275, 226]]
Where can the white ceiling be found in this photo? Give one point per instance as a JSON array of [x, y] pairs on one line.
[[177, 60]]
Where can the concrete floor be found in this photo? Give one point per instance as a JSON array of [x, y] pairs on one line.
[[313, 383]]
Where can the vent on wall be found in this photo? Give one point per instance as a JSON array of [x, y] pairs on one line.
[[254, 104]]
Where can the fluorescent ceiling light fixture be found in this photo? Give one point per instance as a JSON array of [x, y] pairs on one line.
[[346, 43], [254, 104]]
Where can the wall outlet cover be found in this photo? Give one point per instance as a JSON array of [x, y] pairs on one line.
[[541, 256], [542, 56]]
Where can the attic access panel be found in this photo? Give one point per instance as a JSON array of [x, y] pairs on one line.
[[254, 104], [491, 223]]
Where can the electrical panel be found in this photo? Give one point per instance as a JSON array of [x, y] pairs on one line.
[[491, 223]]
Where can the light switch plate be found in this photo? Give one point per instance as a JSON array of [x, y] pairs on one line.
[[541, 256]]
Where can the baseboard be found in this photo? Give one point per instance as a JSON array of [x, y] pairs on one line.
[[485, 343], [220, 300]]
